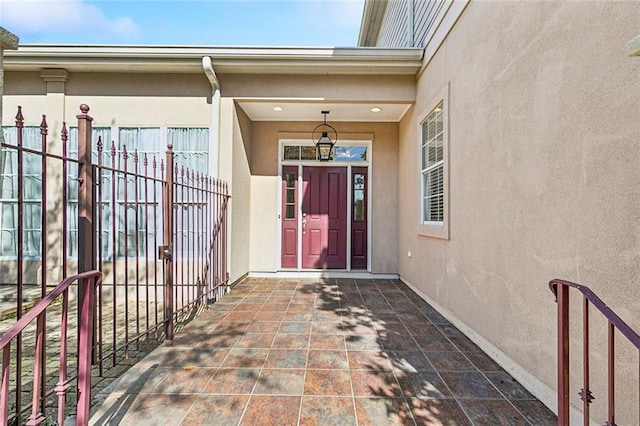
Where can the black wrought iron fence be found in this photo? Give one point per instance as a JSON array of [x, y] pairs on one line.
[[156, 230]]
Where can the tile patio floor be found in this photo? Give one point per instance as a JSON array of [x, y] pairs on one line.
[[318, 352]]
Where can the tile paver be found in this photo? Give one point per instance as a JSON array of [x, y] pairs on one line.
[[284, 351]]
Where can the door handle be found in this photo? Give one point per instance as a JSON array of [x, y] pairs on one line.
[[304, 226]]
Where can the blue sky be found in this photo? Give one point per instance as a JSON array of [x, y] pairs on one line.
[[203, 22]]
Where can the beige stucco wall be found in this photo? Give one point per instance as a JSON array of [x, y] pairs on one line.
[[236, 166], [121, 99], [329, 87], [264, 208], [544, 180], [115, 99]]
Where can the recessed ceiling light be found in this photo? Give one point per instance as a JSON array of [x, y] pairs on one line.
[[277, 108], [376, 109]]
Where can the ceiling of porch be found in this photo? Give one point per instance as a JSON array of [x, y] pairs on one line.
[[287, 110]]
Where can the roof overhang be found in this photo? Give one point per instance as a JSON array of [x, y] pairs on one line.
[[271, 61], [372, 16], [236, 60]]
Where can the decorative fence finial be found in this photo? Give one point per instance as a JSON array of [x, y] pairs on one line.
[[43, 125], [19, 117]]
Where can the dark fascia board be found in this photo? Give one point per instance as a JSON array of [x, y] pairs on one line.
[[233, 60]]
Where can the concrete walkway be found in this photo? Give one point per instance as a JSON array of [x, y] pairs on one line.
[[322, 352]]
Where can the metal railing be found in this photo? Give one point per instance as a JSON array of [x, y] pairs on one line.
[[560, 289], [89, 282], [156, 231]]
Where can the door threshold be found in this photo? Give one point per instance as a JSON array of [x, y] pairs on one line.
[[334, 273]]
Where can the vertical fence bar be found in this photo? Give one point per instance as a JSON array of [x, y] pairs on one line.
[[563, 355], [179, 232], [43, 209], [100, 246], [4, 391], [136, 181], [201, 236], [168, 241], [192, 236], [217, 241], [37, 402], [85, 339], [43, 254], [125, 249], [114, 252], [20, 254], [611, 373], [225, 224], [145, 164], [211, 212], [201, 250], [61, 387], [585, 392], [221, 240], [219, 236], [204, 269], [179, 225], [154, 164], [186, 232], [64, 137], [216, 261]]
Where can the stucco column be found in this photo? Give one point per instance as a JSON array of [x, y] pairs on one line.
[[7, 41], [214, 136]]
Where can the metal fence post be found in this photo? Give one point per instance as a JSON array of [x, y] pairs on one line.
[[166, 251], [86, 319], [86, 196], [563, 355], [87, 253]]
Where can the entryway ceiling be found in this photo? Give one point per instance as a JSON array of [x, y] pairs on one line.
[[258, 110]]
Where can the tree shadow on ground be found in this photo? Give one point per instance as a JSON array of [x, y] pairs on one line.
[[407, 361]]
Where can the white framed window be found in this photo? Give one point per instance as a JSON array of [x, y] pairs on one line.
[[307, 152], [191, 151], [433, 134], [32, 194]]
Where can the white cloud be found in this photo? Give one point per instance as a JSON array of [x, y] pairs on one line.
[[42, 17]]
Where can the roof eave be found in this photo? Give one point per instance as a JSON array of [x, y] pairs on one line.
[[372, 16], [238, 60]]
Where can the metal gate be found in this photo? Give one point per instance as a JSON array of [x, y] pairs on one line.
[[155, 229]]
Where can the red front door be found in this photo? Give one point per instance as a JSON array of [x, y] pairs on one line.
[[324, 218]]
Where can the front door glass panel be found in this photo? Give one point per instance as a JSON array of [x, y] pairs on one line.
[[359, 238]]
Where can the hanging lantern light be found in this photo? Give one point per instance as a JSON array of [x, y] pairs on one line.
[[324, 144]]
